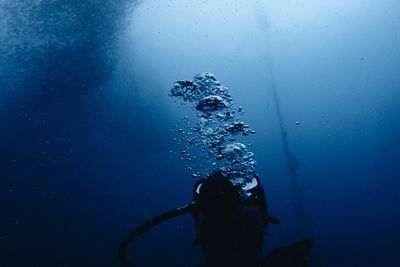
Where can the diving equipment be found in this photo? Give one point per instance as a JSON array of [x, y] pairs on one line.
[[215, 198]]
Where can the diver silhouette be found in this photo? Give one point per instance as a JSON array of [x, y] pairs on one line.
[[231, 222]]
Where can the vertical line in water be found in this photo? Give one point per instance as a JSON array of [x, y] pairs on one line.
[[303, 228], [302, 222]]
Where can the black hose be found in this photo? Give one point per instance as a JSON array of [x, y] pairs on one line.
[[146, 226]]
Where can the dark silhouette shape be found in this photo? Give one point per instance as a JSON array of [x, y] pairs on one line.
[[231, 223], [295, 255]]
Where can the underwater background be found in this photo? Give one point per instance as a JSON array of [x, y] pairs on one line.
[[87, 125]]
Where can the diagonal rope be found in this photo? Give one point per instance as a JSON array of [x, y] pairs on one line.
[[303, 226]]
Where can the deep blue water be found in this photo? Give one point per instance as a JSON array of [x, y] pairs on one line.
[[87, 124]]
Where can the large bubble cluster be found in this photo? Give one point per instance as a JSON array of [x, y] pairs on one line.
[[210, 141]]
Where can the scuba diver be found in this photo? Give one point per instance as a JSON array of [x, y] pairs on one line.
[[231, 221]]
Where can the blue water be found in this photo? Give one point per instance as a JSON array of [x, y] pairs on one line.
[[87, 124]]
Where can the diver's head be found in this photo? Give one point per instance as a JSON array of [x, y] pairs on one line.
[[230, 229], [217, 195]]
